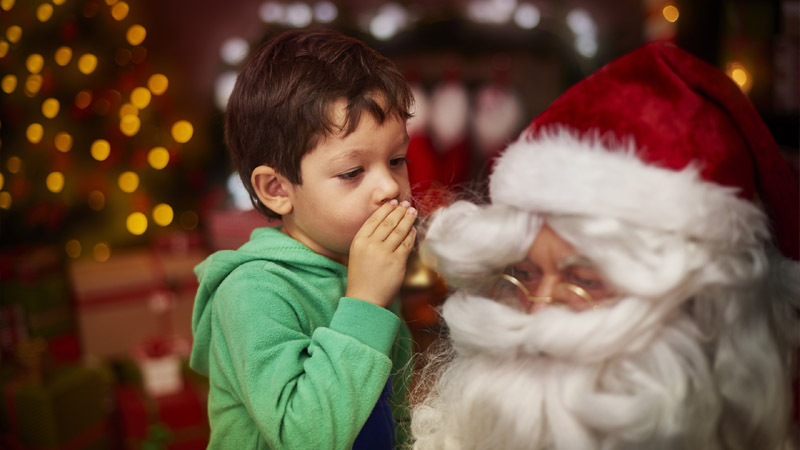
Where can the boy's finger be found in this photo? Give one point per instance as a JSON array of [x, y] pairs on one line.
[[387, 226], [401, 230], [376, 218], [408, 243]]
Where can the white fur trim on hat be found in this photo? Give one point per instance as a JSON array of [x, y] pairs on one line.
[[562, 173]]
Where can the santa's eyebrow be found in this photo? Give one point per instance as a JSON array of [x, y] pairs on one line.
[[575, 260]]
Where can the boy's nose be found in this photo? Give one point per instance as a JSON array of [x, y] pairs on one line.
[[386, 189]]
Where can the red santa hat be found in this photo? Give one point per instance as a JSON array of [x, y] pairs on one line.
[[660, 139]]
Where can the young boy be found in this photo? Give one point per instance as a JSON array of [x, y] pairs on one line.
[[297, 330]]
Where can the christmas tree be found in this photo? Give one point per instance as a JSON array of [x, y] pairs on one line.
[[95, 151]]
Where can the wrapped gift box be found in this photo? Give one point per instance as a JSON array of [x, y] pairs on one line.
[[119, 301], [35, 302], [176, 421], [65, 409]]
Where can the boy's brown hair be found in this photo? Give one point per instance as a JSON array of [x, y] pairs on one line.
[[280, 106]]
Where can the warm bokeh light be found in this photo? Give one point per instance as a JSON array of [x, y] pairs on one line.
[[129, 125], [2, 181], [140, 97], [182, 131], [14, 165], [50, 108], [87, 63], [128, 110], [128, 181], [83, 99], [3, 48], [670, 13], [58, 2], [136, 34], [34, 133], [158, 157], [188, 220], [100, 149], [34, 63], [9, 83], [13, 34], [63, 141], [96, 200], [6, 5], [32, 85], [123, 56], [162, 214], [740, 75], [44, 12], [136, 223], [120, 11], [5, 200], [111, 2], [101, 252], [63, 55], [157, 83], [73, 248], [55, 182]]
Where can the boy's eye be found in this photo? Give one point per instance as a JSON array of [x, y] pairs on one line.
[[395, 162], [350, 175]]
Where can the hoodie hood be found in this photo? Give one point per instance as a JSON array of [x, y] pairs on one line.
[[265, 245]]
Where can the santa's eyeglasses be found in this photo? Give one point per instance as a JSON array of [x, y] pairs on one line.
[[581, 286]]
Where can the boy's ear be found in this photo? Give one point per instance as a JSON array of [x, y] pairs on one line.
[[271, 188]]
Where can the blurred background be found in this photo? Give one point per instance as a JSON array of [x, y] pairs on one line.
[[115, 182]]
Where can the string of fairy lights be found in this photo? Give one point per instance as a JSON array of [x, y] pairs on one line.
[[92, 135]]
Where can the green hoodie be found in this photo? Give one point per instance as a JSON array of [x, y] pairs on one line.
[[292, 364]]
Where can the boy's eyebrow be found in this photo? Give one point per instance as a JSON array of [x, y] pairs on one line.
[[355, 153]]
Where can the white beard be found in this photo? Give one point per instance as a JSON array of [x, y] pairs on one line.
[[624, 377]]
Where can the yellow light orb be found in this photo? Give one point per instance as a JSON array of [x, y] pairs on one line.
[[101, 252], [157, 83], [740, 75], [44, 12], [129, 125], [162, 214], [136, 34], [2, 181], [100, 149], [83, 99], [158, 158], [87, 63], [140, 97], [63, 141], [73, 248], [34, 63], [96, 200], [32, 85], [188, 220], [5, 200], [14, 34], [3, 48], [14, 165], [34, 133], [128, 110], [63, 55], [182, 131], [111, 2], [6, 5], [136, 223], [120, 11], [9, 83], [128, 181], [55, 182], [50, 108], [670, 13], [58, 2]]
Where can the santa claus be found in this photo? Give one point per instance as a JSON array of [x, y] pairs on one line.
[[633, 282]]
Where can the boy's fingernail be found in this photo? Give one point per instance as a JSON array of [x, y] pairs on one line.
[[393, 202], [405, 204], [412, 210]]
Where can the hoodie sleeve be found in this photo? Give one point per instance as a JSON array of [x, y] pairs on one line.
[[302, 391]]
